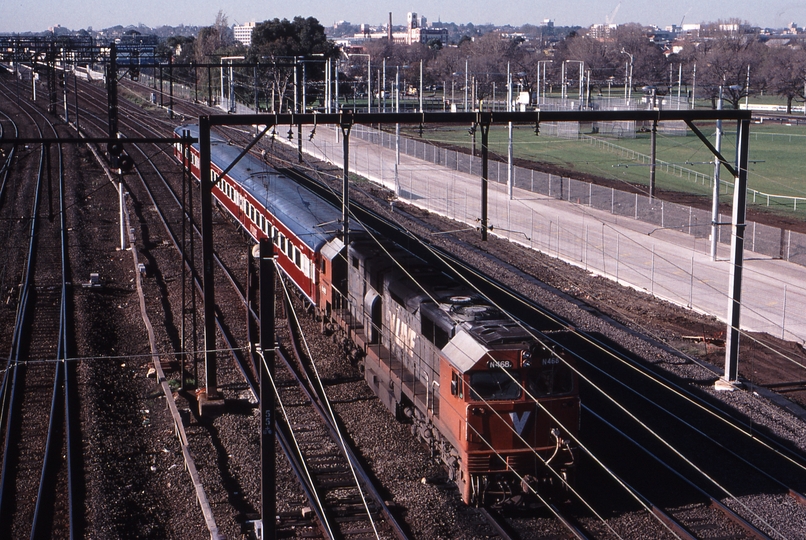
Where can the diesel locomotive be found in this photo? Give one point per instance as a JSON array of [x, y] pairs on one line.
[[492, 398]]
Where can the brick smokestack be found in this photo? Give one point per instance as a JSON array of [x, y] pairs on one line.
[[389, 28]]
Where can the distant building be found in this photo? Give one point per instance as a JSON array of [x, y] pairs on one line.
[[792, 29], [692, 30], [602, 32], [417, 31], [135, 38], [243, 33]]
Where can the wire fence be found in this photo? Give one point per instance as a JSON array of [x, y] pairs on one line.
[[762, 239], [645, 254]]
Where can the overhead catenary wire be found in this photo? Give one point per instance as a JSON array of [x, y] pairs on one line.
[[723, 420], [543, 408]]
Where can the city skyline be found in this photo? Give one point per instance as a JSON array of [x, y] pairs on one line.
[[22, 16]]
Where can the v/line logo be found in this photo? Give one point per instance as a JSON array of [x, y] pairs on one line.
[[519, 422]]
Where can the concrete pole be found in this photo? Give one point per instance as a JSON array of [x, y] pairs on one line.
[[510, 168], [397, 133]]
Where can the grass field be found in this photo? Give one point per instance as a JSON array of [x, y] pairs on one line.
[[776, 157]]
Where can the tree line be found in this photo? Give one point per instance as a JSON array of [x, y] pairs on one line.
[[741, 64]]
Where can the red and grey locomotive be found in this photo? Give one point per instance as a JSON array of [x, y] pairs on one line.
[[498, 406]]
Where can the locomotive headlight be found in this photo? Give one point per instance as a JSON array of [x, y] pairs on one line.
[[526, 362]]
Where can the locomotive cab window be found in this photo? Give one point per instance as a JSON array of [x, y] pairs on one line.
[[456, 385], [551, 378], [494, 385]]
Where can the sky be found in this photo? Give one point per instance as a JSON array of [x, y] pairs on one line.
[[39, 15]]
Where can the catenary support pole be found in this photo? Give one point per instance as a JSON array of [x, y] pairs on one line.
[[715, 190], [484, 121], [346, 125], [737, 253], [268, 492], [206, 185]]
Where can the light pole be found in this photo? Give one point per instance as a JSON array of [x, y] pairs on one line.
[[629, 80], [230, 99], [369, 77], [466, 66], [421, 86], [581, 76], [397, 133], [544, 62]]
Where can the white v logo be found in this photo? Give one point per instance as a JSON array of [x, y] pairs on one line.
[[519, 422]]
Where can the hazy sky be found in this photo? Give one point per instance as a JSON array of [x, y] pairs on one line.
[[38, 15]]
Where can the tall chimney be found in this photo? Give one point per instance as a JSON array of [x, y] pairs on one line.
[[389, 28]]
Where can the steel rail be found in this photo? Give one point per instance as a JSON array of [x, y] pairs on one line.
[[730, 514], [317, 400], [14, 361], [249, 377], [59, 408]]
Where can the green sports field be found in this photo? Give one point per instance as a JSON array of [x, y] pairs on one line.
[[776, 158]]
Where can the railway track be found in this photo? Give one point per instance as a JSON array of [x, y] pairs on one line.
[[39, 427], [349, 504]]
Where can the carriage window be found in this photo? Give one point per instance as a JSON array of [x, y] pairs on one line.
[[297, 258], [494, 385], [550, 379], [324, 266]]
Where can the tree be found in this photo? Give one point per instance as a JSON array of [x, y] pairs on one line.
[[283, 38], [649, 64], [213, 39], [284, 41], [785, 73], [725, 62]]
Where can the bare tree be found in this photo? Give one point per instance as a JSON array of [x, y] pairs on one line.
[[784, 70], [725, 61]]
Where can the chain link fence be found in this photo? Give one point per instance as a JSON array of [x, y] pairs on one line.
[[762, 239]]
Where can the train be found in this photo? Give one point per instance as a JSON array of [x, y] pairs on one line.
[[494, 400]]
